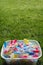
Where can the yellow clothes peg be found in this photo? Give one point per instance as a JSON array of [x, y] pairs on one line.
[[26, 41]]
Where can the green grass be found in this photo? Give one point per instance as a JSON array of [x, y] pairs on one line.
[[21, 19]]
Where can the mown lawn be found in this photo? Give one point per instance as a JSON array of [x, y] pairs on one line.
[[21, 19]]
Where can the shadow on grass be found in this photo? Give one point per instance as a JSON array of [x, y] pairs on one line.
[[19, 63], [23, 63]]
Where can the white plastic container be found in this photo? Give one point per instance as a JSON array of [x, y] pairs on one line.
[[8, 60]]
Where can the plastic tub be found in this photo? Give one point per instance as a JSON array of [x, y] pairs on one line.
[[8, 60]]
